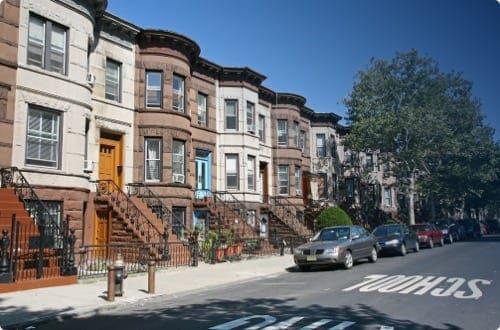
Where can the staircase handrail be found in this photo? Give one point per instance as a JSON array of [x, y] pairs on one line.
[[295, 224], [169, 219], [10, 177], [222, 197], [100, 184]]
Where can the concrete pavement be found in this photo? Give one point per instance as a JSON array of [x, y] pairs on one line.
[[21, 308]]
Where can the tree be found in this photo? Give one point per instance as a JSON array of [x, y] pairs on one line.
[[333, 216], [420, 118]]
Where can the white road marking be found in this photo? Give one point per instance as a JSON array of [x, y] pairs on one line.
[[436, 286]]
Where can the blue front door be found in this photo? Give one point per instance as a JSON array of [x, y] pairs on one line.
[[203, 173]]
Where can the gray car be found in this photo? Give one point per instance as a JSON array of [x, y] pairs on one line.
[[337, 245]]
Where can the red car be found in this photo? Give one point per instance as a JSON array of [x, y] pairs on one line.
[[428, 234]]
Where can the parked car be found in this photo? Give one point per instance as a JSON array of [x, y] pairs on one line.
[[397, 238], [428, 234], [449, 229], [493, 226], [337, 245], [472, 228]]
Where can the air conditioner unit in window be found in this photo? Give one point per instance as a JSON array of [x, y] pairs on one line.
[[179, 178], [251, 128], [88, 166], [90, 79]]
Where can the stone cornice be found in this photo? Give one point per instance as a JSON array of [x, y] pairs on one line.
[[242, 74], [291, 99], [168, 39]]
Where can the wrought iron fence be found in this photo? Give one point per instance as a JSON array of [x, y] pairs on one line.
[[95, 259]]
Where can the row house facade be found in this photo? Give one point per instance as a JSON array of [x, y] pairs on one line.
[[96, 111]]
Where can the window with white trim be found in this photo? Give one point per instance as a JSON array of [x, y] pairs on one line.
[[387, 197], [232, 171], [152, 159], [282, 132], [250, 117], [178, 94], [231, 108], [178, 161], [47, 44], [154, 91], [262, 132], [302, 141], [283, 180], [202, 110], [43, 137], [251, 172], [113, 80], [296, 134], [320, 145], [298, 181]]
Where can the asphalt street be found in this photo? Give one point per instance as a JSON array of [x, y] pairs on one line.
[[451, 287]]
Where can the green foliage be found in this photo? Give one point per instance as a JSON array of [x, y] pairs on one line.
[[427, 125], [333, 216]]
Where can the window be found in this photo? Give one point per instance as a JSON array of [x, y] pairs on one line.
[[152, 159], [251, 218], [348, 157], [320, 145], [178, 94], [387, 197], [113, 72], [350, 188], [178, 161], [262, 132], [283, 178], [47, 45], [43, 137], [369, 161], [251, 172], [154, 90], [178, 220], [302, 141], [232, 171], [250, 117], [333, 147], [53, 237], [298, 181], [202, 110], [231, 107], [282, 132], [296, 134]]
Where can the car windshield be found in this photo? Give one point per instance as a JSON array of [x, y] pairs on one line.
[[332, 234], [387, 231]]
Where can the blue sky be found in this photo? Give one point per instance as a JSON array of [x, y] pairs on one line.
[[314, 48]]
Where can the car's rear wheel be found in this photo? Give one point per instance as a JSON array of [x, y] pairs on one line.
[[416, 248], [348, 260], [304, 268], [373, 255], [402, 249], [441, 241], [431, 243]]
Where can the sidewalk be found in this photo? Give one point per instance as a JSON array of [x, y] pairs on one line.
[[89, 297]]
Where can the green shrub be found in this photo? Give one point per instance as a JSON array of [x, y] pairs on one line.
[[333, 216]]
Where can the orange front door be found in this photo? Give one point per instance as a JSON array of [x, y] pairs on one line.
[[110, 167], [101, 225]]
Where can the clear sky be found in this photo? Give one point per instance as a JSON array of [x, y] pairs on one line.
[[314, 48]]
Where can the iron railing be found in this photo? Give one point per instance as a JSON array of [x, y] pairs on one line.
[[135, 219], [95, 259], [157, 206], [288, 213]]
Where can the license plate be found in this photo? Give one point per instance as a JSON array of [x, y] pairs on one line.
[[311, 258]]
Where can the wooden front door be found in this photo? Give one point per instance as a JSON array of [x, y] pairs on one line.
[[110, 167], [102, 227]]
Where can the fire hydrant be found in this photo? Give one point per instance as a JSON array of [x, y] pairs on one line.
[[116, 275]]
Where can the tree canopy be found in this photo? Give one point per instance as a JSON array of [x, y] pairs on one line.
[[428, 125]]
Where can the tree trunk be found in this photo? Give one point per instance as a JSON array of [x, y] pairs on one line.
[[411, 200]]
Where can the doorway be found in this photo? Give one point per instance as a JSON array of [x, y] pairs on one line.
[[203, 173], [263, 178]]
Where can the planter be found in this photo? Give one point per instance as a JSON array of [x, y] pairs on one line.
[[229, 251], [238, 249], [219, 254]]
